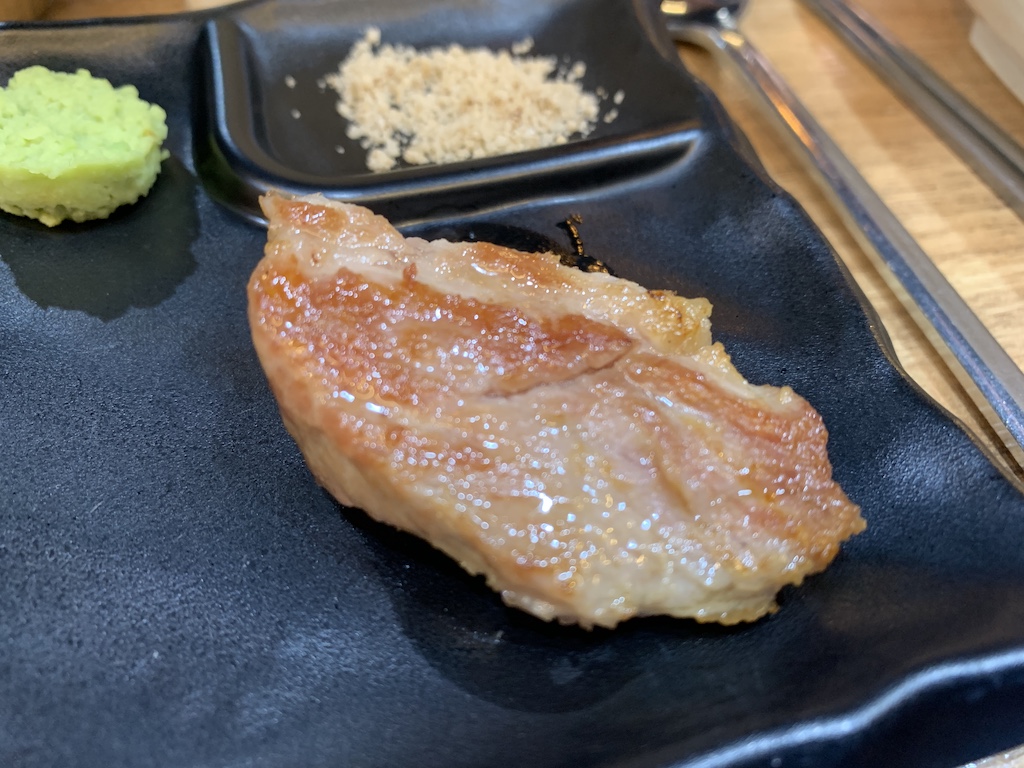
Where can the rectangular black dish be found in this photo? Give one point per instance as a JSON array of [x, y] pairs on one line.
[[175, 590], [269, 122]]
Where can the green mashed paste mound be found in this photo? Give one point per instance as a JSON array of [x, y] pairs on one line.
[[74, 147]]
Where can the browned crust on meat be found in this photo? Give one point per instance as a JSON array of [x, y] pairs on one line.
[[408, 400]]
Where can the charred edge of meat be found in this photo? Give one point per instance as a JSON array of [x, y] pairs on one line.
[[520, 239], [579, 257]]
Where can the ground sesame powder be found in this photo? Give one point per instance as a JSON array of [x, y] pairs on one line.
[[443, 105]]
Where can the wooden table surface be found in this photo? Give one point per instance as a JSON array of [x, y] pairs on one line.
[[975, 240]]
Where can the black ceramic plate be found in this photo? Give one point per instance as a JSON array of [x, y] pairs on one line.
[[269, 121], [176, 591]]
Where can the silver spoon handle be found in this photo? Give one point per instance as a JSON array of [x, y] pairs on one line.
[[993, 372], [993, 155]]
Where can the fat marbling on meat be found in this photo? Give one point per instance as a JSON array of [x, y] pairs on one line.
[[575, 438]]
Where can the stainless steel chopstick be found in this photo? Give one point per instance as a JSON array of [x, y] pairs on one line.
[[993, 155], [940, 311]]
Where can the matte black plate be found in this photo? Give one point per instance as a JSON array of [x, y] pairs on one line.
[[176, 591]]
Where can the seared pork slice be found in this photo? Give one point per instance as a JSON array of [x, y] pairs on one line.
[[573, 437]]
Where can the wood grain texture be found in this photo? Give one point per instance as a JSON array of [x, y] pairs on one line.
[[21, 10], [86, 9], [977, 242]]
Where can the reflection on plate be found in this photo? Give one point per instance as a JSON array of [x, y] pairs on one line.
[[175, 589]]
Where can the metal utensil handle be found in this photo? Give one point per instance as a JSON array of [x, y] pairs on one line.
[[999, 380], [993, 155]]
